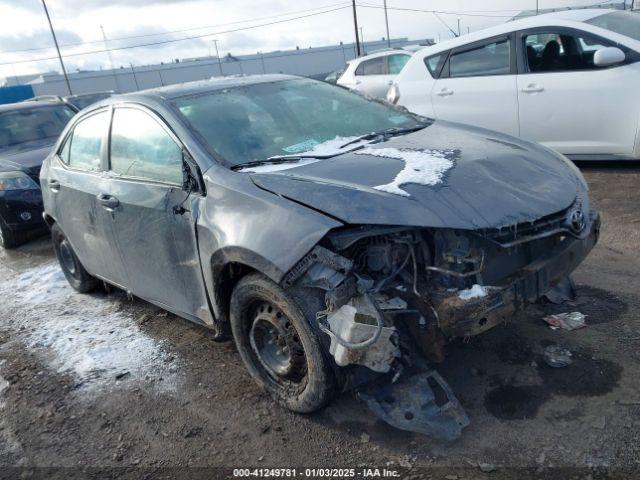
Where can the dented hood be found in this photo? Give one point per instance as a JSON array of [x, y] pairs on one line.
[[495, 180]]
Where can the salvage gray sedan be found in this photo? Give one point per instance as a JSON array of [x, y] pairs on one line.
[[340, 241]]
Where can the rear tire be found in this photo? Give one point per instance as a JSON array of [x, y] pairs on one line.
[[279, 346], [8, 238], [73, 270]]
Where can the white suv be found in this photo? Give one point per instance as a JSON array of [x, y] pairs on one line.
[[374, 73], [568, 80]]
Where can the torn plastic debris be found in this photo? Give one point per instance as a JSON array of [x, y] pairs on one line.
[[356, 323], [566, 321], [556, 356], [476, 291], [422, 403]]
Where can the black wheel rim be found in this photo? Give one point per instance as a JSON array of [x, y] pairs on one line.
[[277, 346], [67, 257]]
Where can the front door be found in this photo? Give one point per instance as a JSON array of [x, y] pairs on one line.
[[569, 104], [154, 223], [478, 86]]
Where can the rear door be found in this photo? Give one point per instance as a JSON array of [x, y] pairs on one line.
[[154, 221], [477, 86], [569, 104], [76, 179]]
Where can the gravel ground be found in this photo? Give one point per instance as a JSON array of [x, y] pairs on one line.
[[107, 386]]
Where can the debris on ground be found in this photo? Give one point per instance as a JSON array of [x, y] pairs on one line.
[[422, 403], [476, 291], [486, 467], [566, 321], [557, 356]]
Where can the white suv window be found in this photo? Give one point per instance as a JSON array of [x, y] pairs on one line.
[[491, 59], [374, 66]]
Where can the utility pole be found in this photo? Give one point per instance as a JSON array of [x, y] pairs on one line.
[[364, 51], [215, 41], [264, 70], [386, 22], [106, 47], [458, 27], [55, 40], [355, 26], [135, 79], [537, 9]]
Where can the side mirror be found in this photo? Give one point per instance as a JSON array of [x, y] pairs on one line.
[[191, 175], [607, 56]]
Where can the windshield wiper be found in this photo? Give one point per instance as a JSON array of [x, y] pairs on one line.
[[270, 161], [389, 132]]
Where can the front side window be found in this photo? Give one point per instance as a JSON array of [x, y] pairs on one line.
[[397, 62], [34, 124], [142, 148], [86, 142], [375, 66], [623, 23], [490, 59], [255, 122], [549, 51]]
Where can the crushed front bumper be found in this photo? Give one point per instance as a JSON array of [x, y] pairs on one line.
[[462, 318]]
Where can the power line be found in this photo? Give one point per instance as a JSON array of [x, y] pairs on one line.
[[163, 42], [170, 32]]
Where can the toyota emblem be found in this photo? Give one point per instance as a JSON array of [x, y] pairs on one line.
[[576, 221]]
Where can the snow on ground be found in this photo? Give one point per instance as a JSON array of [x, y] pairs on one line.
[[476, 291], [85, 335], [424, 167]]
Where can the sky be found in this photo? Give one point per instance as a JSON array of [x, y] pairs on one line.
[[239, 26]]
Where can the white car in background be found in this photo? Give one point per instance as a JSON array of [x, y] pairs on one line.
[[568, 80], [373, 74]]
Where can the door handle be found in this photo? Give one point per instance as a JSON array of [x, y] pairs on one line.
[[54, 186], [107, 201], [444, 92], [533, 88]]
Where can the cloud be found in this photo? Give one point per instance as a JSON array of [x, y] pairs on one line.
[[37, 39]]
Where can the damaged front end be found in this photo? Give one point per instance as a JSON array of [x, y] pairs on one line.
[[395, 296]]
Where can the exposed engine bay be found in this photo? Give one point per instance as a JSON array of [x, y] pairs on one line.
[[395, 296]]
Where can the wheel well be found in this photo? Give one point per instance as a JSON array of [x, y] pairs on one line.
[[226, 280]]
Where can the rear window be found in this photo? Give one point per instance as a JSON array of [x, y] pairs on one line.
[[397, 63], [31, 124], [434, 63], [489, 59], [375, 66]]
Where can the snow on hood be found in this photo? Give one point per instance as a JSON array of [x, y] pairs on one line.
[[309, 148], [424, 167]]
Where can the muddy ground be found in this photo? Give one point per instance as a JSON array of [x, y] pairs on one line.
[[91, 385]]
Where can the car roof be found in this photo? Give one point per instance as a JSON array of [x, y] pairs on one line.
[[571, 16], [30, 105], [171, 92]]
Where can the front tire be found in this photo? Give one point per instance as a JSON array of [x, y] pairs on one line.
[[278, 345], [8, 238], [73, 270]]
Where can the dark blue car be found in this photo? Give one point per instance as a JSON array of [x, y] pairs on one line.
[[27, 132]]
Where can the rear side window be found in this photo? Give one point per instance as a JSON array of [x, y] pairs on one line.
[[434, 63], [490, 59], [142, 148], [374, 66], [397, 62], [86, 142]]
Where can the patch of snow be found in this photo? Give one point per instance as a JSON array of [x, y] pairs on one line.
[[476, 291], [85, 335], [328, 148], [424, 167], [276, 167]]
